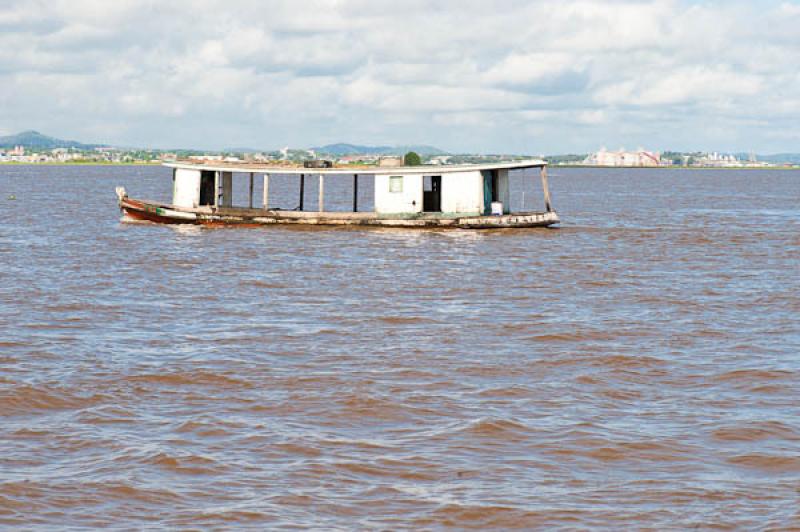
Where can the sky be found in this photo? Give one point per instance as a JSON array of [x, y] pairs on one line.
[[479, 76]]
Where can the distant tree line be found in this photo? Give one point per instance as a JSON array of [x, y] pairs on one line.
[[412, 158]]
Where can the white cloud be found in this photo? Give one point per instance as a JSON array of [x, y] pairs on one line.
[[709, 85], [533, 69], [465, 75]]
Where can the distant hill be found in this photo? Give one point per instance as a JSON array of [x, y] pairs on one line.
[[778, 158], [354, 149], [37, 141], [34, 139]]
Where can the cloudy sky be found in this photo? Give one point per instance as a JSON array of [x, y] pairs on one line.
[[464, 75]]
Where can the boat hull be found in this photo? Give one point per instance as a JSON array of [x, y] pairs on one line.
[[167, 214], [153, 212]]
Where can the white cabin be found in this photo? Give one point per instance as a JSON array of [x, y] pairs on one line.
[[462, 193], [401, 192]]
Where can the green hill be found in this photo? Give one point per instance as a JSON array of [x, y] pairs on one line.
[[35, 140], [356, 149]]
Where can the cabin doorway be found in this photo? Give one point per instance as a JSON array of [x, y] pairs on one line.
[[490, 193], [432, 193], [207, 187]]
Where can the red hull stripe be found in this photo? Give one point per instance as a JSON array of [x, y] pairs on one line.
[[152, 216]]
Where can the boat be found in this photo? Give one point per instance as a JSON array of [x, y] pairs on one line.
[[466, 196]]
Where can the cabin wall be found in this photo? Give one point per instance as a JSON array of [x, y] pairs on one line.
[[186, 188], [462, 192], [407, 201]]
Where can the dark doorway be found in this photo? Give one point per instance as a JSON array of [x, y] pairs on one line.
[[207, 188], [489, 190], [432, 193]]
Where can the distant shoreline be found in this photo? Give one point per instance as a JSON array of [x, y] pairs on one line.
[[551, 166], [77, 163]]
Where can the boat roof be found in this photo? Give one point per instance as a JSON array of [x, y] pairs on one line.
[[427, 169]]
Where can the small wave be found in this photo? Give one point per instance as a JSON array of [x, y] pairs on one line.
[[605, 450], [496, 427], [211, 518], [756, 432], [357, 406], [754, 375], [418, 472], [264, 284], [768, 462], [187, 465], [578, 336], [397, 320], [297, 449], [28, 398], [128, 492], [208, 428], [481, 517], [506, 391], [11, 343], [193, 378], [106, 414]]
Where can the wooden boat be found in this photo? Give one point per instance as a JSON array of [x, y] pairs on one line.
[[449, 196]]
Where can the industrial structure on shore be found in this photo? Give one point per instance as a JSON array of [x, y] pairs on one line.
[[639, 157]]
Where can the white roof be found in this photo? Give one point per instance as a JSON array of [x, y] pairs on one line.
[[431, 169]]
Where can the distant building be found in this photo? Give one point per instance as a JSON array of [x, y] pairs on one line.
[[390, 160], [624, 158], [353, 159], [440, 159], [717, 159], [262, 157]]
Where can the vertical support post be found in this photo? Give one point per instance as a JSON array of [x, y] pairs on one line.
[[546, 190], [226, 193], [265, 199], [216, 190], [251, 190], [355, 192], [302, 189], [321, 192]]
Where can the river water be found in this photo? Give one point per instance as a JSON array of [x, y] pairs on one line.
[[638, 367]]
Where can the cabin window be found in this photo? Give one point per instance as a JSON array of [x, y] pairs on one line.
[[396, 183]]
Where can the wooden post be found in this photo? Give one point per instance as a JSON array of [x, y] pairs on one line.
[[226, 193], [546, 190], [321, 192], [216, 190], [265, 199], [251, 190], [302, 189], [355, 192]]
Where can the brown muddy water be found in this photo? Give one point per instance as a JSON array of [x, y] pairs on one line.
[[637, 368]]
